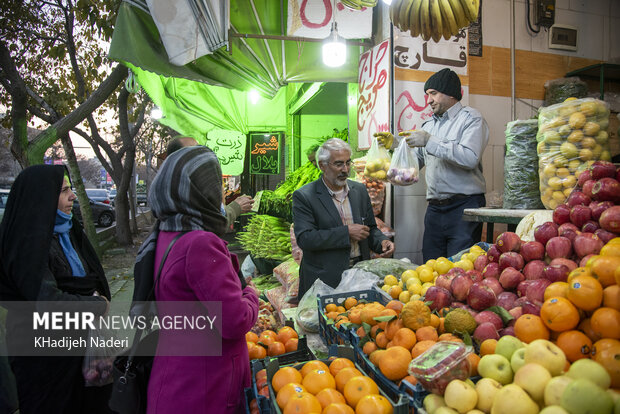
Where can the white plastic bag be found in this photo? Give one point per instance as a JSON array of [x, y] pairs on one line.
[[377, 162], [404, 169], [356, 279], [307, 311]]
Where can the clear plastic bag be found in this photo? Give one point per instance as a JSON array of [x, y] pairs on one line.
[[557, 90], [404, 169], [377, 162], [98, 360], [356, 279], [307, 311], [571, 136]]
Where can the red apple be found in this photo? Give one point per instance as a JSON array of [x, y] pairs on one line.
[[587, 243], [606, 189], [532, 250], [480, 262], [610, 219], [568, 230], [577, 198], [455, 271], [545, 232], [494, 284], [584, 260], [561, 214], [585, 176], [480, 297], [460, 287], [506, 300], [516, 312], [508, 241], [590, 227], [559, 247], [534, 269], [485, 331], [604, 235], [531, 307], [445, 280], [522, 287], [491, 270], [556, 273], [509, 330], [493, 253], [474, 274], [510, 278], [566, 262], [579, 215], [597, 208], [601, 169], [490, 317], [438, 297], [587, 188], [511, 259], [535, 292]]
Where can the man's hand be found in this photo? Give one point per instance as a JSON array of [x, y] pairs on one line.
[[358, 232], [245, 202], [388, 248], [384, 138], [417, 138]]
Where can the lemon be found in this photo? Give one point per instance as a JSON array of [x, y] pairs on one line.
[[404, 296], [464, 264], [414, 289], [426, 275], [386, 288], [431, 263], [468, 256], [407, 274], [415, 297], [413, 281], [443, 266], [425, 288], [390, 280]]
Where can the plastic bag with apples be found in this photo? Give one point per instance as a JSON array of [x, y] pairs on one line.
[[404, 168], [377, 162]]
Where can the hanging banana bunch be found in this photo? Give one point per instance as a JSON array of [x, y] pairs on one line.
[[358, 4], [433, 19]]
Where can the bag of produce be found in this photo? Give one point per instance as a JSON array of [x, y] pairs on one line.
[[404, 168], [377, 162], [571, 136], [97, 362], [521, 166], [376, 192], [557, 90], [307, 310]]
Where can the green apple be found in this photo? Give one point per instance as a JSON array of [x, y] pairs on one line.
[[507, 345], [553, 409], [617, 407], [445, 410], [592, 370], [432, 402], [533, 378], [555, 389], [518, 359], [514, 400], [547, 354], [497, 367], [486, 389], [582, 396], [615, 394], [461, 396]]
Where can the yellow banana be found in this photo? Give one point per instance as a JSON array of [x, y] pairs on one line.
[[446, 27], [469, 7], [394, 11], [448, 19], [459, 14], [414, 18], [425, 20], [436, 25], [476, 8], [403, 15]]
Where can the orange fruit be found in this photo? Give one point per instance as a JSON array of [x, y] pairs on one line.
[[369, 312], [585, 292], [284, 376], [395, 305], [374, 404], [257, 352], [329, 396], [338, 408], [269, 332], [381, 340], [317, 380], [287, 391], [395, 291], [302, 403], [410, 379], [404, 337], [586, 327], [341, 321], [376, 356], [360, 332], [473, 359], [338, 364], [611, 249], [488, 347], [261, 374], [434, 321], [312, 365], [291, 345], [332, 315], [340, 309], [251, 337], [606, 323], [611, 297], [345, 375], [286, 333], [559, 314], [386, 312], [441, 329], [275, 349], [427, 333], [603, 268], [530, 327], [357, 388], [349, 303], [421, 347], [250, 345], [580, 271], [395, 362], [575, 344], [608, 355], [392, 327], [556, 289], [355, 315], [369, 347], [449, 337], [331, 307]]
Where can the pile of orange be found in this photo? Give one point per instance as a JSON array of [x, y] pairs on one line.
[[336, 389], [270, 343]]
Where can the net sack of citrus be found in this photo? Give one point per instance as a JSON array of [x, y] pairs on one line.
[[571, 136]]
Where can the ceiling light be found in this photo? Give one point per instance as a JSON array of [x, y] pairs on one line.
[[253, 95], [156, 113], [334, 49]]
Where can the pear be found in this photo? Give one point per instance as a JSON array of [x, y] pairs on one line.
[[582, 396], [514, 400]]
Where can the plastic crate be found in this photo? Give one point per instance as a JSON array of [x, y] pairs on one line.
[[398, 401], [263, 402], [340, 336], [413, 394], [265, 266], [302, 354]]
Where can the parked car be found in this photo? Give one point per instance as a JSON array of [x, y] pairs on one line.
[[103, 214], [4, 195], [112, 195], [141, 199], [98, 194]]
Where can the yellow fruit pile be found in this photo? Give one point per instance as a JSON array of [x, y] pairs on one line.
[[571, 136]]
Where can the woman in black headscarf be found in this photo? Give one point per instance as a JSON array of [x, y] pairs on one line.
[[45, 256]]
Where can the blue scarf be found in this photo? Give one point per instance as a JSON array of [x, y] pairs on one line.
[[62, 226]]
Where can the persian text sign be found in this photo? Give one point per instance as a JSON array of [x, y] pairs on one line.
[[414, 53], [229, 146], [373, 103], [410, 105], [265, 153], [313, 18]]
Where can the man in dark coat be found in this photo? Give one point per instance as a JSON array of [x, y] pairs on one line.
[[334, 223]]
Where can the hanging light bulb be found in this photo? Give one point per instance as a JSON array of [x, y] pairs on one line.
[[334, 49], [254, 96], [156, 113]]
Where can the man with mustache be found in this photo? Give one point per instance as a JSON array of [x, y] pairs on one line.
[[334, 223], [450, 144]]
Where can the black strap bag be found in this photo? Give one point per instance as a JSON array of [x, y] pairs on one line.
[[132, 369]]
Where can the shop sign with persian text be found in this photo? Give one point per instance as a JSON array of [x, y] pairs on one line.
[[229, 146], [265, 153], [313, 19]]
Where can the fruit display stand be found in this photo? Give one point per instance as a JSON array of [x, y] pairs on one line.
[[490, 216], [329, 332], [398, 401]]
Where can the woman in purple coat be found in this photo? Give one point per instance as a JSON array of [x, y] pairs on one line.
[[186, 195]]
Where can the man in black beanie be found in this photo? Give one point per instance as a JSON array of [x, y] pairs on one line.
[[450, 144]]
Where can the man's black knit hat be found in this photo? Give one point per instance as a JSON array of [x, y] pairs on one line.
[[445, 81]]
